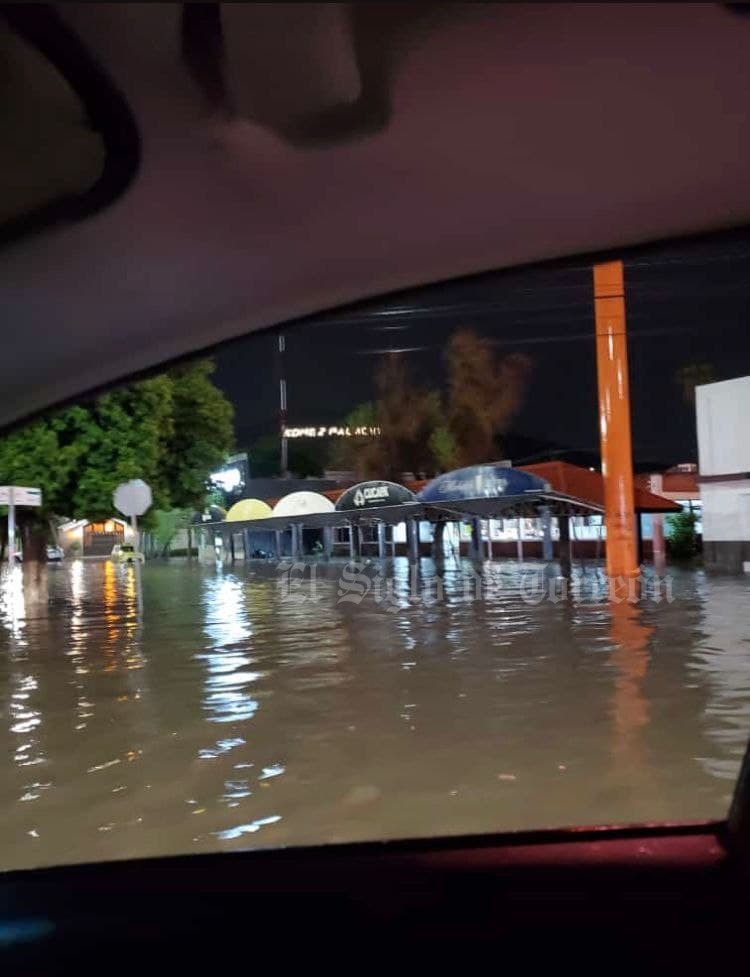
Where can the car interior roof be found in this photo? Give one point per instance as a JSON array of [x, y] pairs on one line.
[[295, 157]]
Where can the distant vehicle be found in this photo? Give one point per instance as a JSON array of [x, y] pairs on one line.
[[126, 553], [55, 554]]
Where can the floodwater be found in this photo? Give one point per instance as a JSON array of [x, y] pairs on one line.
[[247, 710]]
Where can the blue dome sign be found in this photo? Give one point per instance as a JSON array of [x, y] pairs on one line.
[[481, 482]]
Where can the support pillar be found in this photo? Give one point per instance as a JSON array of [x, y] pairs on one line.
[[547, 550], [660, 550], [476, 539], [412, 540], [277, 537], [381, 540], [327, 541], [614, 418], [564, 554], [639, 537], [519, 539]]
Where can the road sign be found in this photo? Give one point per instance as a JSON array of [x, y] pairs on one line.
[[22, 495], [132, 498]]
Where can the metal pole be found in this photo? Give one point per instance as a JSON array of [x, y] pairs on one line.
[[282, 407], [381, 540], [11, 530], [137, 565], [614, 418], [351, 541], [489, 539], [519, 541]]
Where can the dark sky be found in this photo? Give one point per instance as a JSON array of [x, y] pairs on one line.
[[685, 303]]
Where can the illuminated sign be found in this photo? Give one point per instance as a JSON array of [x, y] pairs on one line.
[[332, 431]]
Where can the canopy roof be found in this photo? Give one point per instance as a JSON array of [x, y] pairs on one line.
[[296, 157], [248, 509], [302, 503], [585, 484]]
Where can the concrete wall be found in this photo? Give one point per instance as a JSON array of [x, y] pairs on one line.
[[722, 418], [726, 524]]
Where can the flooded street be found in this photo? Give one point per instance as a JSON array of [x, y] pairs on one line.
[[243, 713]]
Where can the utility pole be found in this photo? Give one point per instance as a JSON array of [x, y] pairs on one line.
[[614, 419], [11, 529], [282, 406]]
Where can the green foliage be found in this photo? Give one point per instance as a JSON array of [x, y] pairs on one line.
[[215, 496], [424, 432], [682, 539], [170, 430], [202, 432], [167, 523], [444, 447]]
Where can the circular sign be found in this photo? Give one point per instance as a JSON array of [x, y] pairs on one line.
[[132, 498], [373, 495]]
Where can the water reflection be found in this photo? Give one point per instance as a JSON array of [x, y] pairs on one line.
[[234, 716], [227, 698], [630, 657]]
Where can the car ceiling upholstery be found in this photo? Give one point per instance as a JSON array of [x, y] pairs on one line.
[[300, 156]]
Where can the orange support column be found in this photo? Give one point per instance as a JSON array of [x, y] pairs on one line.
[[614, 418]]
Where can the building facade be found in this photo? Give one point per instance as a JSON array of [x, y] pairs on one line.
[[722, 416]]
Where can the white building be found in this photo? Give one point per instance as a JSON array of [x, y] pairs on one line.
[[723, 419]]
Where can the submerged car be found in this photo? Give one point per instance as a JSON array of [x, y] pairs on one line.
[[126, 553], [55, 554]]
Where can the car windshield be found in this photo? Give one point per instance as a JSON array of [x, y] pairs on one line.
[[386, 609]]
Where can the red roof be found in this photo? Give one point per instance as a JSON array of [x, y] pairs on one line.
[[573, 480], [588, 486], [675, 482]]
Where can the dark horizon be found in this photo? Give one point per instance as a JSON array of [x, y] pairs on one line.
[[686, 303]]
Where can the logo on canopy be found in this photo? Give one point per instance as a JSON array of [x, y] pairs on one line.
[[368, 495], [481, 482]]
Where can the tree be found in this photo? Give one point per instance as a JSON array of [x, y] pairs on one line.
[[422, 433], [484, 394], [124, 434], [169, 430], [682, 540], [201, 435], [693, 375], [406, 415], [167, 523]]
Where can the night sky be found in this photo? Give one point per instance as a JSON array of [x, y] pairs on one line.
[[687, 302]]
